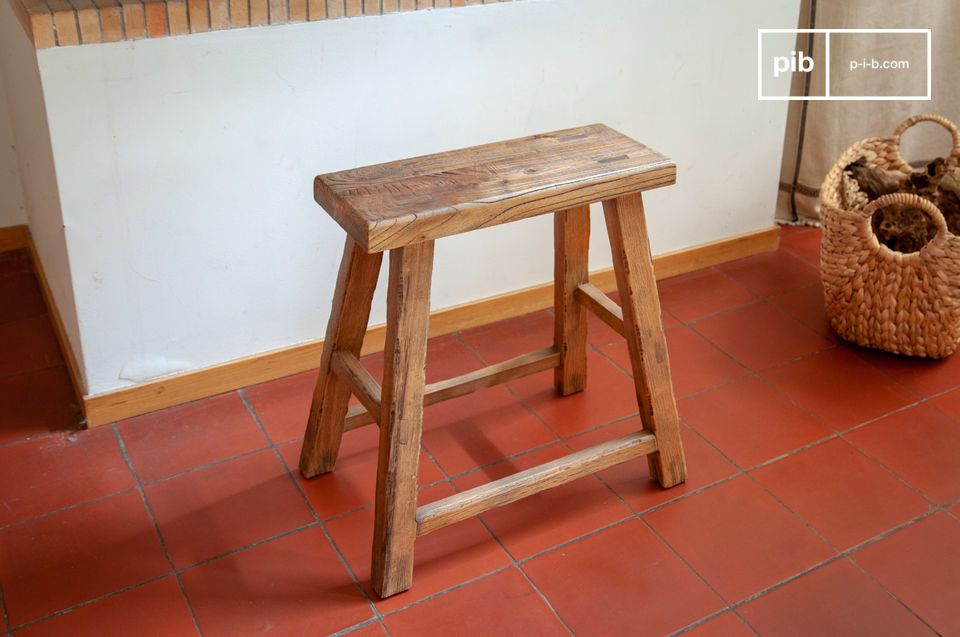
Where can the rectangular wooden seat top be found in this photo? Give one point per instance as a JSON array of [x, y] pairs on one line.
[[412, 200]]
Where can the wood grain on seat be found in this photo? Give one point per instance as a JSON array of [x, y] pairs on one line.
[[404, 202]]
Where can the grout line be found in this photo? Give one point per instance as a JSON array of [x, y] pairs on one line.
[[449, 589], [94, 600], [354, 627], [743, 620], [703, 620], [245, 547], [66, 508], [326, 532], [892, 596], [566, 543], [544, 599], [209, 465], [156, 525], [4, 611], [889, 470], [39, 436]]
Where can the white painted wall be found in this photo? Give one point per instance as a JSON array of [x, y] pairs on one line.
[[35, 165], [13, 211], [185, 164]]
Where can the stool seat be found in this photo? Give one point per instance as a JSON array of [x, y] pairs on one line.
[[403, 202]]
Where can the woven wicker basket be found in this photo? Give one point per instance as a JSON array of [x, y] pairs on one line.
[[876, 297]]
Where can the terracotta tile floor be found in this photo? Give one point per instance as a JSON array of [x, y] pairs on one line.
[[823, 496]]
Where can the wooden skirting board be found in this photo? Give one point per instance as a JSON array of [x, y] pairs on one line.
[[14, 238], [106, 408]]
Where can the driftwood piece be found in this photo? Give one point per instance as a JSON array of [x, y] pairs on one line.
[[875, 182], [904, 228]]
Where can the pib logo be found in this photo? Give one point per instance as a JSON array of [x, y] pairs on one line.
[[797, 61]]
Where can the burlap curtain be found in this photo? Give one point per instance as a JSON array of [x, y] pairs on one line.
[[818, 131]]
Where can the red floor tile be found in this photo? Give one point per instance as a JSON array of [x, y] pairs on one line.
[[839, 388], [157, 609], [77, 555], [610, 394], [921, 566], [750, 422], [444, 558], [725, 625], [837, 599], [698, 294], [804, 245], [949, 404], [20, 297], [28, 345], [807, 306], [621, 581], [695, 364], [211, 511], [501, 604], [631, 480], [480, 428], [352, 484], [294, 585], [36, 403], [173, 440], [924, 376], [283, 405], [58, 471], [760, 336], [771, 272], [513, 337], [738, 538], [843, 494], [921, 445], [542, 521], [15, 262]]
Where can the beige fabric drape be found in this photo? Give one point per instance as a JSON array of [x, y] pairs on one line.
[[818, 131]]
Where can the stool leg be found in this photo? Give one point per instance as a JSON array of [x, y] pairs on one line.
[[356, 283], [571, 232], [401, 409], [643, 330]]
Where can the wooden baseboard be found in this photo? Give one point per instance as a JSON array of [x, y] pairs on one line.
[[105, 408], [14, 238]]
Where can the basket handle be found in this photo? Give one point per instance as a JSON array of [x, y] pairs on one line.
[[929, 117], [913, 201]]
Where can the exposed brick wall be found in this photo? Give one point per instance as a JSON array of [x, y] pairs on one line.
[[71, 22]]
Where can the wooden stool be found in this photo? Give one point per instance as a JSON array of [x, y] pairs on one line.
[[402, 207]]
